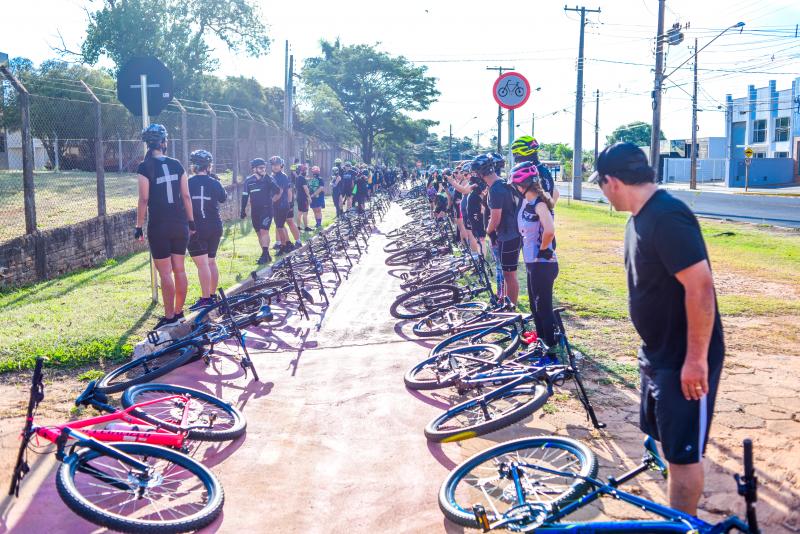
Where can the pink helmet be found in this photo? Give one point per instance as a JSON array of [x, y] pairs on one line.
[[315, 169], [524, 171]]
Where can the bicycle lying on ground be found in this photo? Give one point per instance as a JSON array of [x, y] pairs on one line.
[[133, 484], [533, 484]]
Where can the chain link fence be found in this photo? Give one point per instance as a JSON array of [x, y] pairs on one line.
[[67, 160]]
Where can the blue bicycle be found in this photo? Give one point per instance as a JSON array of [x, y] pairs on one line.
[[533, 484]]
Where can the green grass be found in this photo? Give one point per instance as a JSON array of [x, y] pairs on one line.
[[64, 198], [97, 315], [592, 280]]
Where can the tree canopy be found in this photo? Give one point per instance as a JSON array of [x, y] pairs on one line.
[[373, 88], [636, 132], [175, 31]]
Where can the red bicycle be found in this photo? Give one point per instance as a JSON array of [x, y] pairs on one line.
[[139, 482]]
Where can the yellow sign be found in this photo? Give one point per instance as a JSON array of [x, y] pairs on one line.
[[748, 152]]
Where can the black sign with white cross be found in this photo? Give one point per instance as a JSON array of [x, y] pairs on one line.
[[158, 85]]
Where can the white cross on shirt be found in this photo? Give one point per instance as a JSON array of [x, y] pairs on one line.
[[202, 200], [167, 178]]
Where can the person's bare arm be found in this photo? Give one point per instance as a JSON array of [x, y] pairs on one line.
[[548, 226], [555, 195], [494, 220], [308, 194], [463, 189], [144, 196], [700, 302], [187, 198]]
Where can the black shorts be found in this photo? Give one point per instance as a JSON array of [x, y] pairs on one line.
[[345, 189], [664, 414], [281, 214], [205, 241], [302, 204], [167, 239], [262, 220], [509, 254]]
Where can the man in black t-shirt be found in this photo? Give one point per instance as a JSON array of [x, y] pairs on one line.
[[673, 306], [260, 191]]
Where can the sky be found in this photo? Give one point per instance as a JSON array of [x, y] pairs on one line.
[[458, 40]]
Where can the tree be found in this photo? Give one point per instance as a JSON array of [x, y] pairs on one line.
[[637, 132], [325, 117], [176, 31], [373, 88]]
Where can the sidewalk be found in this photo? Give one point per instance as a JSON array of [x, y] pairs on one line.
[[715, 187]]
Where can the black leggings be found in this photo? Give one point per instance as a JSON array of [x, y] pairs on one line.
[[541, 277]]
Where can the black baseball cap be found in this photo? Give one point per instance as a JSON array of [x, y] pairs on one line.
[[625, 161]]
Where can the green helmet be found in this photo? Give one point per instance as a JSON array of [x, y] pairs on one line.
[[524, 146], [337, 161]]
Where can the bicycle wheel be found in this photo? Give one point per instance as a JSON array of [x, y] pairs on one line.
[[504, 336], [146, 368], [478, 480], [487, 413], [407, 257], [444, 321], [222, 421], [420, 302], [442, 370], [180, 495]]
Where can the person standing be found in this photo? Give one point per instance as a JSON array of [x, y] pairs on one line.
[[283, 206], [535, 223], [260, 191], [207, 194], [673, 306], [502, 227], [164, 198], [303, 194], [316, 187], [526, 148], [336, 178], [346, 186]]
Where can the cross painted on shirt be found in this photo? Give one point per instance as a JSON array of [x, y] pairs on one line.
[[167, 178], [202, 200]]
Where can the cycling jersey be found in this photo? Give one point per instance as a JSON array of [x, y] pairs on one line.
[[164, 200], [346, 184], [282, 181], [259, 192], [501, 197], [207, 193], [474, 214], [532, 230]]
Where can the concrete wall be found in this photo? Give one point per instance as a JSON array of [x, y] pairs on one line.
[[763, 172], [52, 253], [679, 170]]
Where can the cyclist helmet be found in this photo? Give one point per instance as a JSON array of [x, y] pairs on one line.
[[293, 167], [315, 169], [525, 146], [201, 159], [348, 165], [154, 135], [257, 162], [337, 161], [524, 173], [276, 160], [447, 171], [483, 165], [432, 168], [466, 167], [499, 161]]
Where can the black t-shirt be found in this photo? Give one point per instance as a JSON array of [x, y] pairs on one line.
[[282, 181], [207, 193], [474, 203], [259, 191], [661, 240], [346, 184], [501, 197], [299, 182], [164, 203]]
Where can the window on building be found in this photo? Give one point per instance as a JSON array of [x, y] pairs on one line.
[[782, 129], [2, 142], [760, 155], [760, 131], [781, 154]]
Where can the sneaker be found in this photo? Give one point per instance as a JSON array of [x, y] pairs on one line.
[[166, 322], [307, 229], [281, 251], [263, 258], [276, 246], [202, 302], [179, 317], [298, 245]]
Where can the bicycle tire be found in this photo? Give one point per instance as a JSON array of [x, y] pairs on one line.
[[505, 336], [412, 304], [78, 501], [233, 422], [426, 376], [457, 314], [511, 405], [408, 256], [146, 368], [568, 449]]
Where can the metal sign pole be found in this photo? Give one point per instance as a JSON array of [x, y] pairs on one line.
[[145, 124], [746, 173], [509, 159]]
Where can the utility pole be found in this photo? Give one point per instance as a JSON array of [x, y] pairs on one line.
[[596, 121], [450, 146], [577, 155], [500, 112], [286, 87], [693, 170], [478, 143], [655, 133], [533, 123]]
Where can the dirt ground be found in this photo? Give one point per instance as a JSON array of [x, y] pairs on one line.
[[335, 441]]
